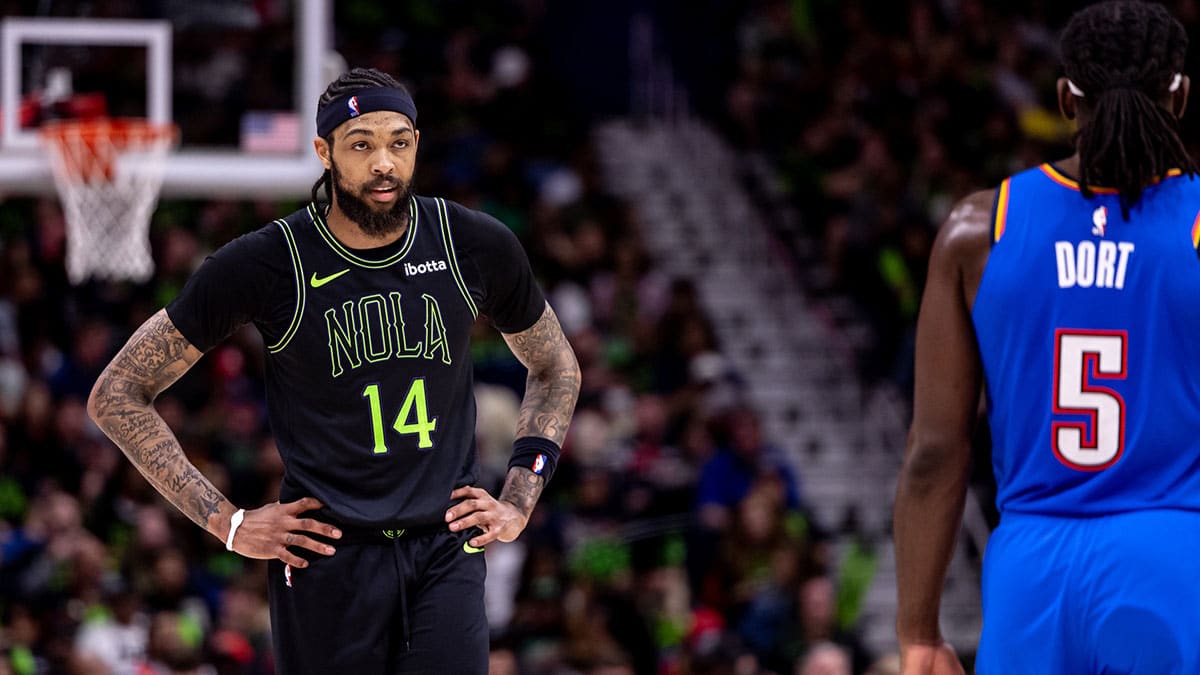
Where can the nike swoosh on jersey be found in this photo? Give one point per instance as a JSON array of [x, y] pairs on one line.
[[468, 548], [317, 282]]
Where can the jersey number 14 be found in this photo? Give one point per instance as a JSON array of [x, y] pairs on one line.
[[413, 408], [1081, 358]]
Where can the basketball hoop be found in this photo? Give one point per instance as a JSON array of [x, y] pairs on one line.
[[108, 172]]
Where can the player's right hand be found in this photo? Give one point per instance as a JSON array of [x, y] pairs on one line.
[[267, 532], [939, 659]]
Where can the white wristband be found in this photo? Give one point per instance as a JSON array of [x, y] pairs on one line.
[[234, 524]]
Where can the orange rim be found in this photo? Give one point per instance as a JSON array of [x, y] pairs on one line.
[[89, 148]]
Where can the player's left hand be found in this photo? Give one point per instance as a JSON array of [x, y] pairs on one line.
[[496, 519]]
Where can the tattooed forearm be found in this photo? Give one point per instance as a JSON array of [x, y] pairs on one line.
[[550, 394], [177, 482], [522, 488], [134, 425], [154, 353], [553, 383], [122, 405], [167, 468], [205, 500], [157, 461]]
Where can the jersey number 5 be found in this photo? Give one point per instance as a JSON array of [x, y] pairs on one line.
[[1081, 358], [414, 407]]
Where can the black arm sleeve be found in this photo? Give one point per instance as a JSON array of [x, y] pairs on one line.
[[235, 285], [496, 270]]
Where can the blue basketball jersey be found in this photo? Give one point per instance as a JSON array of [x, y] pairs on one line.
[[1089, 329]]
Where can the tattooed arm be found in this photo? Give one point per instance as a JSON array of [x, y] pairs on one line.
[[550, 393], [553, 383], [122, 404]]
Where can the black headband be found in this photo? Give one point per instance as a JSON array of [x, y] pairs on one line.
[[364, 101]]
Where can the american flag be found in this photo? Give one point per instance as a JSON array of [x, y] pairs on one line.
[[268, 131]]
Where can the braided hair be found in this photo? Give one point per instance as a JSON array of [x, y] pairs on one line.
[[1124, 56], [355, 79]]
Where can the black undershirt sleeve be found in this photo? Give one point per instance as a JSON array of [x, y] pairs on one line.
[[496, 270], [236, 285]]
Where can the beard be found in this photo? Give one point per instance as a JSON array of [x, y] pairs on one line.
[[374, 223]]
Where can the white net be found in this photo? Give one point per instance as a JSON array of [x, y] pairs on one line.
[[108, 173]]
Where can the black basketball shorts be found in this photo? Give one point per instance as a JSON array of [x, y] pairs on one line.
[[398, 602]]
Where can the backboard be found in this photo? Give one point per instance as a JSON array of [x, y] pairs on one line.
[[240, 78]]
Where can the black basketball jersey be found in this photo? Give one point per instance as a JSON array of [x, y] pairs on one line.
[[368, 365]]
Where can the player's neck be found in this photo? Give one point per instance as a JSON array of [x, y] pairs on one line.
[[351, 235], [1069, 166]]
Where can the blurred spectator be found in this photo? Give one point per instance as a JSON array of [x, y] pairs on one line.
[[116, 636], [52, 552], [241, 641], [174, 648], [502, 661], [886, 665], [825, 658], [167, 587], [815, 624], [762, 564], [743, 459], [76, 374]]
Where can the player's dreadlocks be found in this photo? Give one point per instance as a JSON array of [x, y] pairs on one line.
[[355, 79], [1124, 56]]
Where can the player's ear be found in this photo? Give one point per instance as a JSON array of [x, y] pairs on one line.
[[1066, 100], [1179, 98], [323, 151]]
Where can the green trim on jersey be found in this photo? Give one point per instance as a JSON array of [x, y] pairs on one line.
[[298, 268], [448, 241], [348, 255]]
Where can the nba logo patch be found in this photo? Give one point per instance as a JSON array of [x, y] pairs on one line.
[[1099, 221], [287, 575], [353, 105], [539, 463]]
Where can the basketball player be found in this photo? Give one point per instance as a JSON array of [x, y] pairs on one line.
[[365, 307], [1071, 294]]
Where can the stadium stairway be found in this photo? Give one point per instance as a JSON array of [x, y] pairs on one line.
[[845, 441]]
